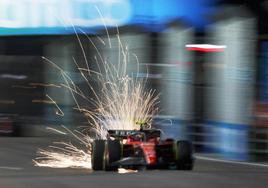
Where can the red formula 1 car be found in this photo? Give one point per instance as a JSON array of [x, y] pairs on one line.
[[142, 148]]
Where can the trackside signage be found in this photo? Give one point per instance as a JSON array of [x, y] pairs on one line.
[[63, 13]]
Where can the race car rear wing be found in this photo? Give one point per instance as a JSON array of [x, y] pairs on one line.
[[122, 133], [153, 133]]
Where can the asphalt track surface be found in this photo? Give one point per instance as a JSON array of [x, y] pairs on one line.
[[17, 171]]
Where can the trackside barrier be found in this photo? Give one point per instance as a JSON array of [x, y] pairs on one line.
[[259, 131], [233, 143], [229, 140], [259, 143]]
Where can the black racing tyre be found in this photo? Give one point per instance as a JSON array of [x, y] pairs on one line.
[[97, 158], [113, 152], [184, 155]]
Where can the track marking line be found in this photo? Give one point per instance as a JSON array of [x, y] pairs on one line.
[[10, 168], [231, 162]]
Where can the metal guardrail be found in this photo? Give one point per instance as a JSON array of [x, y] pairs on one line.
[[259, 143]]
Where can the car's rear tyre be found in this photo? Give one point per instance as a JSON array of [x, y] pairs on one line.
[[97, 159], [184, 155], [113, 152]]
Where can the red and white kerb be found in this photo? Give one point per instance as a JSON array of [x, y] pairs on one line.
[[205, 47]]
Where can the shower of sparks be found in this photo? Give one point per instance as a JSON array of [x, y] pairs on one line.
[[65, 155], [122, 103], [125, 171]]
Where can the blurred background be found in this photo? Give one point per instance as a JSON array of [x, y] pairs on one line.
[[207, 58]]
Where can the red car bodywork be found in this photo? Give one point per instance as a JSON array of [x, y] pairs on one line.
[[147, 147]]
